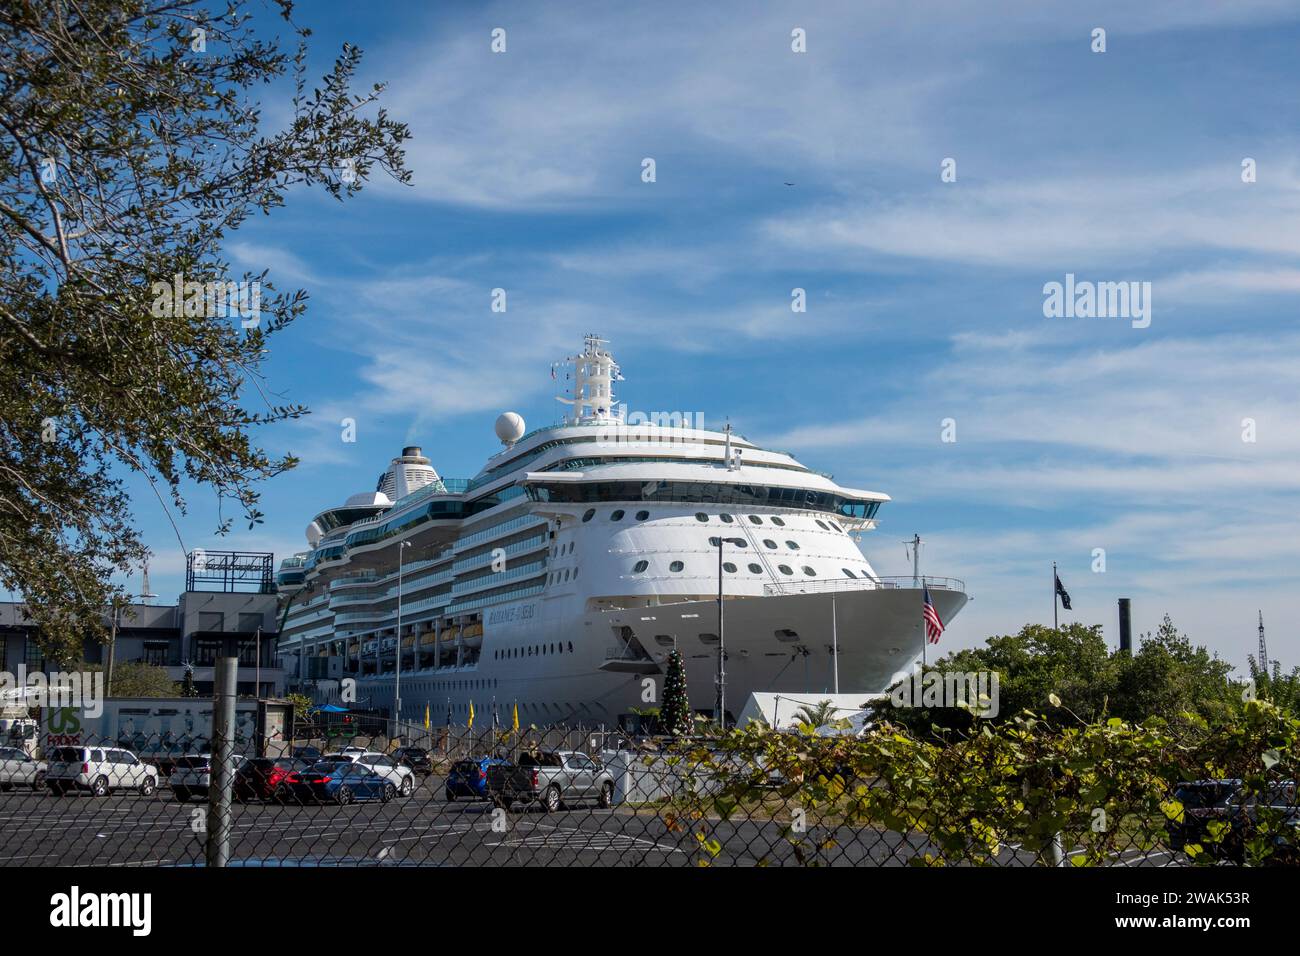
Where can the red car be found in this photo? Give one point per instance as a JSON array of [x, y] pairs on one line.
[[264, 777]]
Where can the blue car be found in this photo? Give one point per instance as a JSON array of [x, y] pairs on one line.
[[341, 783], [468, 778]]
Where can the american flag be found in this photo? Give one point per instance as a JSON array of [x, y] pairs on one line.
[[933, 623]]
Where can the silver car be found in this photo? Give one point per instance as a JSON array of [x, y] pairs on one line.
[[552, 779], [17, 769]]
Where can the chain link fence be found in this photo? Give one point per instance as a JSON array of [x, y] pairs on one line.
[[1025, 793]]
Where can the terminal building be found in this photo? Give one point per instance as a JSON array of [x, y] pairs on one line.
[[228, 609]]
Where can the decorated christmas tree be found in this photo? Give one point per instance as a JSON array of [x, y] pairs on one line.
[[675, 714]]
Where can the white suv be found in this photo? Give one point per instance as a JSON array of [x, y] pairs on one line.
[[18, 769], [403, 778], [193, 775], [99, 770]]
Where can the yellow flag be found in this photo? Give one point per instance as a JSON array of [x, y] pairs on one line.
[[426, 715], [516, 720], [471, 716]]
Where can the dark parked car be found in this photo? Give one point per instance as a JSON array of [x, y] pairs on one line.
[[261, 778], [417, 758], [340, 783], [309, 754], [1225, 801], [468, 778]]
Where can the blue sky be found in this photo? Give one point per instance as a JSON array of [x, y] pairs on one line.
[[924, 297]]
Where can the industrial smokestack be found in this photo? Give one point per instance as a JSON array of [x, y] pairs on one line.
[[1125, 626]]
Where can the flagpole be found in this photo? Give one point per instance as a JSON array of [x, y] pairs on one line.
[[1055, 621], [925, 638]]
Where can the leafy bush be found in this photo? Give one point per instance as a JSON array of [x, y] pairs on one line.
[[1059, 792]]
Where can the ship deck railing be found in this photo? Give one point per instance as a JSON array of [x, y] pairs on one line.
[[887, 582]]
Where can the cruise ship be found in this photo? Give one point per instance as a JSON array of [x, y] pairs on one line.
[[559, 578]]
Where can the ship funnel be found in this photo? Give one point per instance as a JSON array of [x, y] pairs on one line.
[[406, 474]]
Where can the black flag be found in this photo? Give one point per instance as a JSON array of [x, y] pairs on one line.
[[1062, 593]]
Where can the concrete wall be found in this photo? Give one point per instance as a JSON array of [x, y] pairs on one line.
[[255, 610]]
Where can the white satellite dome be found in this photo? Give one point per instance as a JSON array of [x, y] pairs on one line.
[[510, 427], [314, 533]]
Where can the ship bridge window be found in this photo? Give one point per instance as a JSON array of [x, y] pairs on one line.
[[848, 573], [785, 569], [589, 514], [701, 517], [778, 522], [676, 566], [640, 566], [809, 571], [642, 515], [729, 567], [726, 519], [792, 545], [769, 543], [755, 569], [616, 515], [755, 519]]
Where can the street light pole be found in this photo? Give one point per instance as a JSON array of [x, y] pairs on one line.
[[397, 692], [835, 645], [721, 706], [112, 648], [722, 649], [257, 672]]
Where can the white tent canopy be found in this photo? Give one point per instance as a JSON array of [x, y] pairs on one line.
[[780, 711]]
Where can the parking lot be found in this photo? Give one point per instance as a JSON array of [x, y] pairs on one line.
[[127, 829]]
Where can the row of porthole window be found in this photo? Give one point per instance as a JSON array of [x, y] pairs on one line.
[[679, 566], [562, 550], [775, 519], [524, 706], [534, 650], [615, 515], [767, 543], [561, 577], [442, 685], [618, 515]]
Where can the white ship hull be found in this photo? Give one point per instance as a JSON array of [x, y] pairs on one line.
[[778, 643]]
